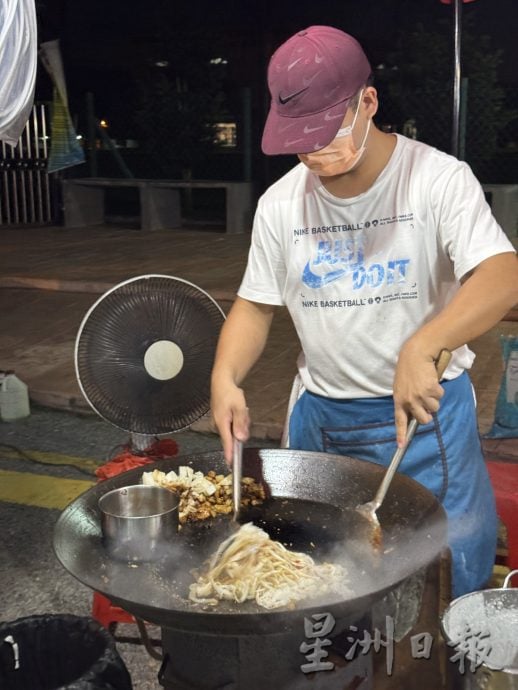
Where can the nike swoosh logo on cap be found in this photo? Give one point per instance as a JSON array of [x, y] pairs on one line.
[[290, 143], [292, 64], [308, 130], [285, 127], [307, 80], [331, 92], [284, 99], [328, 117]]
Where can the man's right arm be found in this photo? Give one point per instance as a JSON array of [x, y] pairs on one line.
[[241, 342]]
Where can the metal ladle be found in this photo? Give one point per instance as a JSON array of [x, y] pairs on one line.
[[368, 510]]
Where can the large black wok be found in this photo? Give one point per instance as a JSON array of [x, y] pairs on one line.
[[311, 508]]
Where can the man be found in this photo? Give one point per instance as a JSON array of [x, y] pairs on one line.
[[385, 252]]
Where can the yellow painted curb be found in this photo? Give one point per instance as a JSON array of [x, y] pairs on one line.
[[48, 458], [40, 490]]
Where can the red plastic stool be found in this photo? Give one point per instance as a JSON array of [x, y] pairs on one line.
[[107, 614], [504, 478]]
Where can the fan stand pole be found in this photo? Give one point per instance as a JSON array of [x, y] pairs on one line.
[[140, 442]]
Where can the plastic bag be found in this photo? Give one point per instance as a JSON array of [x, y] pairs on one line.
[[127, 460], [18, 62], [506, 411], [59, 652]]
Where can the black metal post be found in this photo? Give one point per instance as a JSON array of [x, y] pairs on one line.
[[456, 78], [463, 117]]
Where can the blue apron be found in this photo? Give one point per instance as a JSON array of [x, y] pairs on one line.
[[445, 456]]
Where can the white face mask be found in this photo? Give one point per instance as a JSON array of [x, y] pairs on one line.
[[341, 155]]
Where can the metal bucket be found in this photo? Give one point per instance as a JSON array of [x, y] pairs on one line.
[[138, 521], [482, 630]]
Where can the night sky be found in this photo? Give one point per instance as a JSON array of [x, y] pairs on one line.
[[113, 30], [107, 45]]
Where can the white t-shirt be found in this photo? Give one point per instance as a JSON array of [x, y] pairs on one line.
[[361, 275]]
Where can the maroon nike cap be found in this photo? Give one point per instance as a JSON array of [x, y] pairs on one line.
[[312, 77]]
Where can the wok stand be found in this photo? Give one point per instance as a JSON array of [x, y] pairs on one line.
[[259, 662]]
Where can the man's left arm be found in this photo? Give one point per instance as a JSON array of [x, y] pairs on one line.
[[486, 295]]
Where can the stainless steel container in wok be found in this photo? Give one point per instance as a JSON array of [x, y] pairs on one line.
[[138, 522], [311, 507]]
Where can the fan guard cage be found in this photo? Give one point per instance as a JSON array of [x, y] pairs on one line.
[[118, 331]]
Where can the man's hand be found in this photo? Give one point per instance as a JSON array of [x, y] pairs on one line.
[[240, 344], [417, 392], [230, 415], [486, 295]]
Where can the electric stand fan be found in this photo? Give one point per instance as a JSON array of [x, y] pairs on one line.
[[144, 354]]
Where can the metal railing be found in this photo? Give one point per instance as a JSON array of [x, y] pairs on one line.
[[25, 196]]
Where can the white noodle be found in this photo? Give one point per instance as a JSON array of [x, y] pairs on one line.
[[249, 565]]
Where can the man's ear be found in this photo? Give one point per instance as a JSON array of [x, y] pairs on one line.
[[370, 101]]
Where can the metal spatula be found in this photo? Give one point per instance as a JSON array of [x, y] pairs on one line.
[[368, 510], [237, 474]]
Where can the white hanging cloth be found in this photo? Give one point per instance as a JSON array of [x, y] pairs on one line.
[[18, 62]]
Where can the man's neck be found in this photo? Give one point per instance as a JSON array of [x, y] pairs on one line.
[[379, 149]]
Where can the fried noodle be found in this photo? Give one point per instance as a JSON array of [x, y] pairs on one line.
[[249, 565]]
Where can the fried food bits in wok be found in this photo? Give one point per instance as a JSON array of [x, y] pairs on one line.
[[204, 496]]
